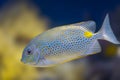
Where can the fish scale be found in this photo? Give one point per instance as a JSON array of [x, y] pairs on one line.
[[72, 36]]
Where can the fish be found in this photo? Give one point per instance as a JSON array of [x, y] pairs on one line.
[[66, 43]]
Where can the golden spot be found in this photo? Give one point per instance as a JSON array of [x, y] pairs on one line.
[[88, 34]]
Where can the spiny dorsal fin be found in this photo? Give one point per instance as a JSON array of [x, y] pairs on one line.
[[90, 25]]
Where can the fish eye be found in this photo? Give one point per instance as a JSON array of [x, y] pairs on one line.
[[29, 51]]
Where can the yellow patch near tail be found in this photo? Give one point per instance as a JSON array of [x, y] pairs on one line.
[[88, 34]]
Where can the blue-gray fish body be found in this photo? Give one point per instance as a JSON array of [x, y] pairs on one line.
[[65, 43]]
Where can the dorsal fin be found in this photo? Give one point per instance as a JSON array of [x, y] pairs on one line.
[[90, 25]]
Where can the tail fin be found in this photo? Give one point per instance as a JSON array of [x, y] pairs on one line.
[[107, 32]]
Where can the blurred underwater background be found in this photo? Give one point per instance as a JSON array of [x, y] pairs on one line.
[[22, 20]]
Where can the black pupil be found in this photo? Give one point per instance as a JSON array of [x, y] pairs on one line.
[[29, 51]]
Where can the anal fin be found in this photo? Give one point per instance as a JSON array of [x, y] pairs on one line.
[[93, 48]]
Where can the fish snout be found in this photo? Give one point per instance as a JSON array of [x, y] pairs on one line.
[[22, 60]]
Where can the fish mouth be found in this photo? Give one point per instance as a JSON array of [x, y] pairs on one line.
[[29, 63], [22, 60]]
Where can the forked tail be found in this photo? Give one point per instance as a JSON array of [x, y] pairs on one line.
[[106, 32]]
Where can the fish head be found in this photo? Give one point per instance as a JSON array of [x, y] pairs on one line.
[[30, 54]]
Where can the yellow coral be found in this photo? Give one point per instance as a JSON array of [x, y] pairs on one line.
[[15, 32]]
